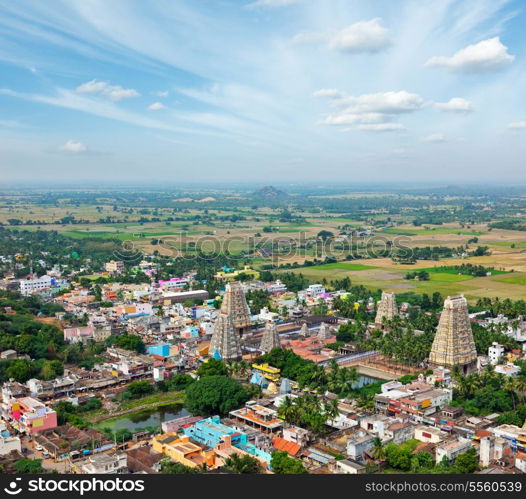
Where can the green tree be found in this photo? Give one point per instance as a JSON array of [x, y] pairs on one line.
[[215, 395], [212, 367], [242, 464], [282, 463], [32, 466]]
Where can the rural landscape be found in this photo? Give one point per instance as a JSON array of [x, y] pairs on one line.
[[242, 240]]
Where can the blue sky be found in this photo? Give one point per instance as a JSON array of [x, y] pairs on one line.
[[262, 90]]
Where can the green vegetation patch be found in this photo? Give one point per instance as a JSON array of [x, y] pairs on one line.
[[344, 266], [518, 279]]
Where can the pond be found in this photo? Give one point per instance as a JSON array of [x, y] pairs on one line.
[[152, 417], [365, 380]]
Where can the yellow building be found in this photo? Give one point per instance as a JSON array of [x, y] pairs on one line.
[[181, 450], [232, 276]]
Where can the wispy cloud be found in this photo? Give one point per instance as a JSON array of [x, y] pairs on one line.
[[112, 92], [436, 138], [517, 125], [156, 106]]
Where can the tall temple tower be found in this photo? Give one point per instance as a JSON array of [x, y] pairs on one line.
[[304, 331], [270, 337], [453, 344], [324, 332], [387, 308], [235, 305], [225, 339]]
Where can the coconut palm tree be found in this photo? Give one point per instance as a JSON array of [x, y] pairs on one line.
[[331, 409], [378, 450]]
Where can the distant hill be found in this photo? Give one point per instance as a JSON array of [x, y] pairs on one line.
[[270, 193]]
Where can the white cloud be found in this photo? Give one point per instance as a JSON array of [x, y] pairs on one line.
[[435, 138], [487, 55], [333, 93], [455, 105], [384, 102], [112, 92], [345, 118], [73, 146], [364, 36], [273, 3], [156, 106], [161, 93], [371, 112], [382, 127], [518, 125]]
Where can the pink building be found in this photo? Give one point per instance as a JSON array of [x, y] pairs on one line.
[[78, 334], [32, 415]]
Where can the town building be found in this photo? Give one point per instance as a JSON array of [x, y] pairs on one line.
[[31, 415], [103, 464], [257, 416], [181, 450], [114, 267], [30, 286], [452, 449], [495, 353]]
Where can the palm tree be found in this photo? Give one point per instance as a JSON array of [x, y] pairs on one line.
[[331, 409], [509, 385], [288, 410], [378, 450]]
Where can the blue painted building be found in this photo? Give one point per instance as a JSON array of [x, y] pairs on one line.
[[162, 350], [211, 432]]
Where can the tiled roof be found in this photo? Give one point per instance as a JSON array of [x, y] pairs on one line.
[[290, 447]]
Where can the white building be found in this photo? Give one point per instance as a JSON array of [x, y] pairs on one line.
[[452, 449], [104, 464], [8, 444], [30, 286], [495, 353], [428, 434], [508, 369], [266, 315], [315, 290]]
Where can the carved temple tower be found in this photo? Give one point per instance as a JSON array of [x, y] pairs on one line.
[[453, 344]]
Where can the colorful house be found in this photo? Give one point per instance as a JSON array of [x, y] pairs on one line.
[[162, 350], [32, 415], [181, 450], [224, 439]]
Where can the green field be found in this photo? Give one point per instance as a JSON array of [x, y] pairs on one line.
[[453, 271], [518, 279], [447, 277], [439, 230], [343, 266]]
